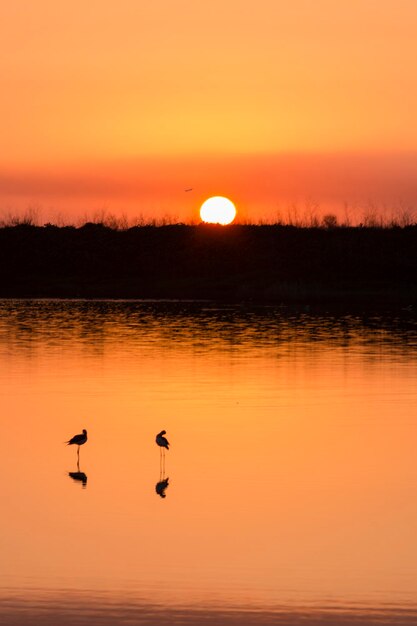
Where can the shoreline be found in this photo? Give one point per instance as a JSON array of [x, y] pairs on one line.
[[236, 264]]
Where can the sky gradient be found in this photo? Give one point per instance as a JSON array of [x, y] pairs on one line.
[[123, 105]]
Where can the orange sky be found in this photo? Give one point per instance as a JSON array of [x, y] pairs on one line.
[[122, 105]]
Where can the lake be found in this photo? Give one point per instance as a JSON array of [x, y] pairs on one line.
[[288, 494]]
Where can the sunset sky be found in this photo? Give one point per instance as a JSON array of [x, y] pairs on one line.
[[123, 105]]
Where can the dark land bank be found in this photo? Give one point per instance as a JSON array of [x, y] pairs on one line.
[[238, 262]]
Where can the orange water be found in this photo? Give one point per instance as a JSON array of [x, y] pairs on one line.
[[292, 490]]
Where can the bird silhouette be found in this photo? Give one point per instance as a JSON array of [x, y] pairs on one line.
[[161, 440], [163, 444], [78, 440]]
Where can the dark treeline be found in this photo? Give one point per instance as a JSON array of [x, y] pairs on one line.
[[238, 262]]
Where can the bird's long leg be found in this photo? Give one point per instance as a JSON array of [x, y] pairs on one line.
[[78, 463]]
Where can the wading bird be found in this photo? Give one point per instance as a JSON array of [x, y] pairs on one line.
[[163, 444], [161, 440], [78, 440]]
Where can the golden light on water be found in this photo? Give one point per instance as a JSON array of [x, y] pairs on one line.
[[218, 210], [284, 404]]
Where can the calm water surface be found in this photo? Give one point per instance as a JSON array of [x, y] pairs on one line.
[[290, 486]]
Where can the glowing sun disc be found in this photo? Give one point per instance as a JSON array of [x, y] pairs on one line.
[[218, 210]]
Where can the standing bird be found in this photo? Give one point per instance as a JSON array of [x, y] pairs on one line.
[[78, 440], [161, 440]]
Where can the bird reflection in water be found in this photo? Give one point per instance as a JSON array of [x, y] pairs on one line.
[[79, 476], [161, 486], [163, 482]]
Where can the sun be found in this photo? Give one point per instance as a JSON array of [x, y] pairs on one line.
[[218, 210]]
